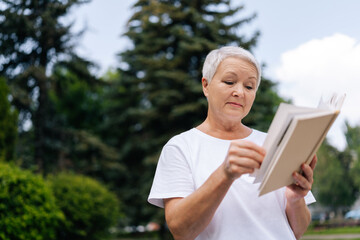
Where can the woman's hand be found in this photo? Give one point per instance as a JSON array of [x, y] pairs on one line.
[[188, 217], [297, 212], [243, 157], [303, 182]]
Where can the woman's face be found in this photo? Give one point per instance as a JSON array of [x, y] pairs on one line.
[[232, 90]]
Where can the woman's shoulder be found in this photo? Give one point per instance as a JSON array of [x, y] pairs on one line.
[[258, 133], [257, 136], [194, 135], [182, 137]]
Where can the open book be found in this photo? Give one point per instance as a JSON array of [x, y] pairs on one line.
[[294, 136]]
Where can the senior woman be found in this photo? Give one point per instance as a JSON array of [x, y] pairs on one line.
[[202, 178]]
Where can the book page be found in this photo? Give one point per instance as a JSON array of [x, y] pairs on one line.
[[277, 130]]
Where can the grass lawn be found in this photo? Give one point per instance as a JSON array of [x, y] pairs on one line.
[[313, 232], [336, 233], [338, 230]]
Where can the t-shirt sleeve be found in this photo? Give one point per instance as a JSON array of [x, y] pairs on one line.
[[173, 176], [309, 198]]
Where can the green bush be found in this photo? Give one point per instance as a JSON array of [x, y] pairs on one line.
[[90, 209], [27, 206]]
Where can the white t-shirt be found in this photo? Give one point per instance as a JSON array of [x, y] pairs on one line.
[[188, 160]]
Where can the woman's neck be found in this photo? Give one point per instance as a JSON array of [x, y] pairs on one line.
[[224, 130]]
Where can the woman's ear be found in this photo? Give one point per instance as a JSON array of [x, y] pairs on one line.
[[205, 85]]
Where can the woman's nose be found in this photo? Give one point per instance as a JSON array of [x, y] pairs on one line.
[[238, 91]]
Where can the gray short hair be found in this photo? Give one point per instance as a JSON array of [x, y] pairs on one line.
[[215, 57]]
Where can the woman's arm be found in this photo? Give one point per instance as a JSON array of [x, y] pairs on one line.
[[299, 217], [297, 211], [188, 217]]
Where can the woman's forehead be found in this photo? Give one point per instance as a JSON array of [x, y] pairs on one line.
[[231, 65]]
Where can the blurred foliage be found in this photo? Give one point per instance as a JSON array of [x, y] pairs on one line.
[[333, 185], [8, 124], [28, 208], [78, 116], [352, 136], [90, 209], [336, 177], [32, 38]]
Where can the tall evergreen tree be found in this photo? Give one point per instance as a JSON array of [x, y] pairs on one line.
[[162, 78], [33, 37], [119, 129], [77, 99], [8, 124]]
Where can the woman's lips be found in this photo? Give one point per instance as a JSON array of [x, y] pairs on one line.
[[234, 104]]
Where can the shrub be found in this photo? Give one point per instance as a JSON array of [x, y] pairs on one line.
[[90, 209], [27, 206]]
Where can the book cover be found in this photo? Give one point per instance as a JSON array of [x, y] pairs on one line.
[[294, 136]]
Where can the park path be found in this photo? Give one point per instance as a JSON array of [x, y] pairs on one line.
[[331, 236]]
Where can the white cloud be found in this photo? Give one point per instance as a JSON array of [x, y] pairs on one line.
[[323, 66]]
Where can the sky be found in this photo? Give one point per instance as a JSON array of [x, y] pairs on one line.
[[310, 48]]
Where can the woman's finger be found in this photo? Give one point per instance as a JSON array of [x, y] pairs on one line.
[[313, 162], [308, 172], [243, 144], [301, 181], [243, 162]]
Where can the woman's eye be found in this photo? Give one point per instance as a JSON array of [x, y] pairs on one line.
[[249, 87], [228, 82]]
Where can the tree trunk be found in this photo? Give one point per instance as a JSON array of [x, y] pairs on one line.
[[40, 122]]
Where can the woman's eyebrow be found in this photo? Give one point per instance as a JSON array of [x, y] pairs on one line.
[[231, 73]]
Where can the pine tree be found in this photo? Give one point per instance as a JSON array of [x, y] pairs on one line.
[[78, 119], [162, 78], [33, 37], [8, 124]]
